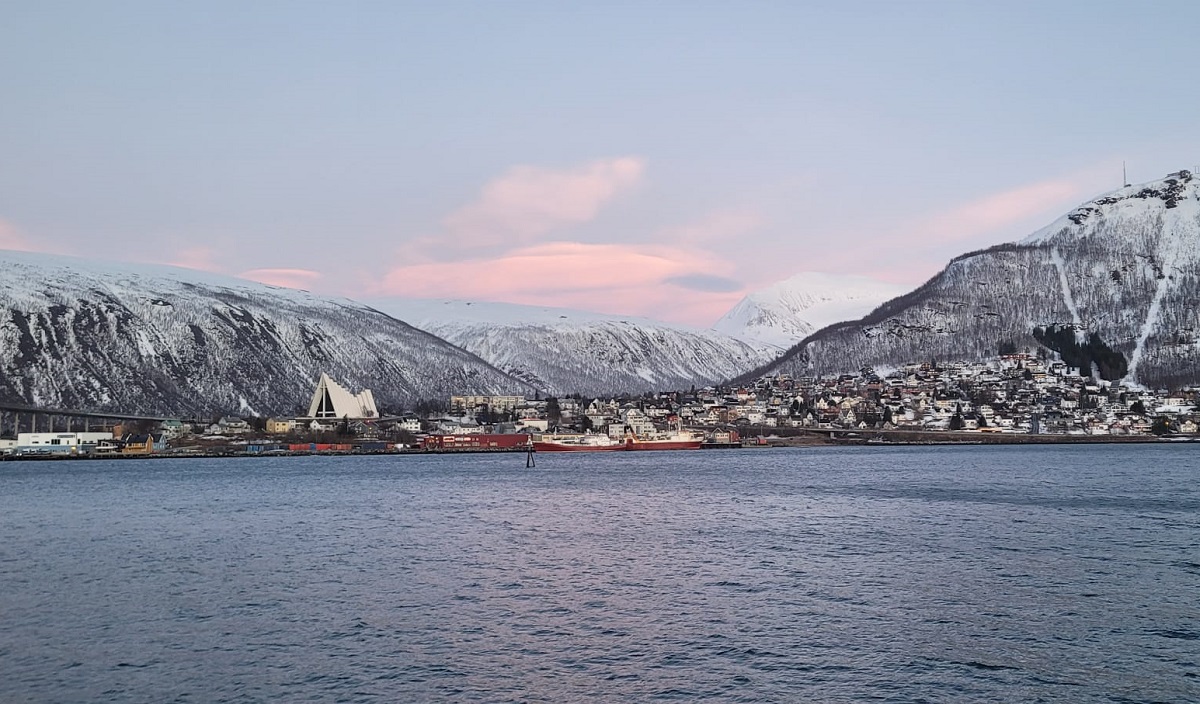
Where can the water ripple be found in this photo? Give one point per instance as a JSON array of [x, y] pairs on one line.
[[836, 575]]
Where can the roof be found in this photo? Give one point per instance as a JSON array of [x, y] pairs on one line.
[[330, 400]]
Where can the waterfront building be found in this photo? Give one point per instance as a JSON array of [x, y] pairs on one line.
[[495, 404], [59, 443]]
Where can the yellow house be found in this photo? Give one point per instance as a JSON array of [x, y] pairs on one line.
[[138, 445], [280, 426]]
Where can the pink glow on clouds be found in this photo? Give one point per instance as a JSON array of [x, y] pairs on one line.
[[527, 204], [285, 278], [530, 201], [912, 252], [611, 278], [1000, 210], [202, 258], [10, 238]]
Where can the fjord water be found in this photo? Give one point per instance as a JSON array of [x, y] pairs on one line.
[[871, 574]]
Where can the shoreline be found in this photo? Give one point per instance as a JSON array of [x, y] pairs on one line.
[[802, 439]]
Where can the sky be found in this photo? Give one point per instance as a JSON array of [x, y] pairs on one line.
[[658, 159]]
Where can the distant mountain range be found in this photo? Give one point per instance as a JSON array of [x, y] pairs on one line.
[[789, 311], [564, 351], [1113, 286], [1121, 273], [83, 334]]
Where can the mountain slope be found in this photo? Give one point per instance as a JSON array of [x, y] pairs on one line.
[[788, 311], [564, 351], [82, 334], [1125, 266]]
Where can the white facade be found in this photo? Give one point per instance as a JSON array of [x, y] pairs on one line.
[[496, 404], [331, 401], [72, 443]]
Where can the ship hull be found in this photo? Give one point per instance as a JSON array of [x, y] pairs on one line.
[[636, 446], [560, 447], [664, 445]]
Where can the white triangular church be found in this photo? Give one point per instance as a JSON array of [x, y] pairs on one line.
[[331, 400]]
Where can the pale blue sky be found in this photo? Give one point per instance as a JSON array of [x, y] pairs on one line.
[[612, 156]]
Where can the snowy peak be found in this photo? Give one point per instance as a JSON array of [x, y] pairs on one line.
[[567, 351], [788, 311], [84, 334], [1150, 199], [1121, 271], [460, 312]]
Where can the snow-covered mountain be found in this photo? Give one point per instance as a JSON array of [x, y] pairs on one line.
[[789, 311], [84, 334], [566, 351], [1121, 271]]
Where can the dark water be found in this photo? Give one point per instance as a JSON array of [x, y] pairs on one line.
[[946, 574]]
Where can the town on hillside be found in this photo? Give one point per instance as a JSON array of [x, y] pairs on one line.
[[1013, 394]]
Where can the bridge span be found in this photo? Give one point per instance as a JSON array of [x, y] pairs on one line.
[[22, 418]]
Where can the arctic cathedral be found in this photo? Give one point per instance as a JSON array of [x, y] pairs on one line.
[[331, 400]]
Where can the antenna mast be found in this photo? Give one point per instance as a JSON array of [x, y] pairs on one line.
[[1124, 176]]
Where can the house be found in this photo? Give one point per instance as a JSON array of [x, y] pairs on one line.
[[495, 404], [173, 429], [229, 425], [281, 426], [634, 421], [540, 425], [143, 444]]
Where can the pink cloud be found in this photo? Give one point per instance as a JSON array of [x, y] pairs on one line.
[[12, 239], [999, 210], [911, 253], [201, 258], [528, 202], [286, 278], [612, 278]]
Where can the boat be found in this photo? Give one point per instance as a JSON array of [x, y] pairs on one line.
[[679, 440], [476, 442], [583, 442], [591, 442]]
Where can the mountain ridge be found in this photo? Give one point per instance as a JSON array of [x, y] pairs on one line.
[[89, 334], [1124, 266], [569, 351], [787, 311]]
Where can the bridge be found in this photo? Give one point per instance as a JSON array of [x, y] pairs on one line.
[[19, 418]]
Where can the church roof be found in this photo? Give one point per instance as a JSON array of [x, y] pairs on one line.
[[331, 400]]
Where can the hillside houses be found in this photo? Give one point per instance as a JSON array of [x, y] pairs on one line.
[[1014, 393], [1017, 393]]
